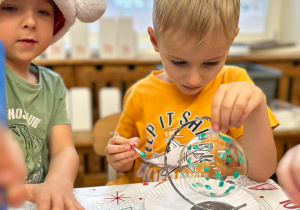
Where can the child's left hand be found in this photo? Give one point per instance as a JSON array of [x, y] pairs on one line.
[[53, 194], [288, 173], [233, 103], [13, 171]]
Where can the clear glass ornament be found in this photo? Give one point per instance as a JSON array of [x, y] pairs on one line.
[[211, 164]]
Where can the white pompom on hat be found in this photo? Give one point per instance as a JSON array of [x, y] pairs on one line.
[[67, 11], [89, 10]]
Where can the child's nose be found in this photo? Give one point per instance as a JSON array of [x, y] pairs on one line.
[[193, 77], [29, 21]]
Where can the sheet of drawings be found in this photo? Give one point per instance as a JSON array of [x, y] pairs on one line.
[[268, 195], [125, 197], [113, 197]]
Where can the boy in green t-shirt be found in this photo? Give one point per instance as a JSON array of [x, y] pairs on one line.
[[36, 96]]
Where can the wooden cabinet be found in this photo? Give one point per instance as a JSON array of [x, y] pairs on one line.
[[289, 83], [285, 140], [96, 74], [289, 64], [123, 73]]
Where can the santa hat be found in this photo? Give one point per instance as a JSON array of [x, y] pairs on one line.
[[67, 11]]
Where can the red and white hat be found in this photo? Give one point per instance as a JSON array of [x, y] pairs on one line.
[[68, 10]]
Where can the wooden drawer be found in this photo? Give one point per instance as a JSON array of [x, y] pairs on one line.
[[285, 140], [67, 74]]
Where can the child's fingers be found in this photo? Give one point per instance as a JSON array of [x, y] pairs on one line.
[[118, 140], [6, 175], [238, 116], [134, 142], [251, 96], [57, 203], [11, 175], [16, 194], [216, 108], [12, 165], [250, 106], [43, 202], [77, 204], [296, 178], [122, 162], [120, 156], [295, 165], [288, 184], [119, 152], [114, 149], [286, 178], [226, 110]]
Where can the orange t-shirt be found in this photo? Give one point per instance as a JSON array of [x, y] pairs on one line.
[[154, 109]]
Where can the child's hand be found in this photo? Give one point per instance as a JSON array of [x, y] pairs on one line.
[[288, 173], [53, 194], [233, 103], [13, 170], [56, 192], [120, 153]]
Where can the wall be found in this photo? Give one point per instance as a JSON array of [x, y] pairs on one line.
[[273, 28], [290, 24]]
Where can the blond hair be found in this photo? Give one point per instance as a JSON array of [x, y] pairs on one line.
[[197, 18]]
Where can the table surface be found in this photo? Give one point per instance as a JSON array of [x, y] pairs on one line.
[[268, 196]]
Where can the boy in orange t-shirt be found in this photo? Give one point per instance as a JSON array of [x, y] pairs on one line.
[[193, 39]]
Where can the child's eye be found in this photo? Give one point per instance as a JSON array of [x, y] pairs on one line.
[[10, 8], [211, 63], [178, 63], [43, 12]]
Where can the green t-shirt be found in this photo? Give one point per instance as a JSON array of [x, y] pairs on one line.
[[32, 110]]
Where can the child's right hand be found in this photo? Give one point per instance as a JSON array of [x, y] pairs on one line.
[[120, 153]]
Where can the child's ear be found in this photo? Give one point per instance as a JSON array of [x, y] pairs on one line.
[[153, 39]]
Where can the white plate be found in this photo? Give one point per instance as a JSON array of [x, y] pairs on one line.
[[165, 197]]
